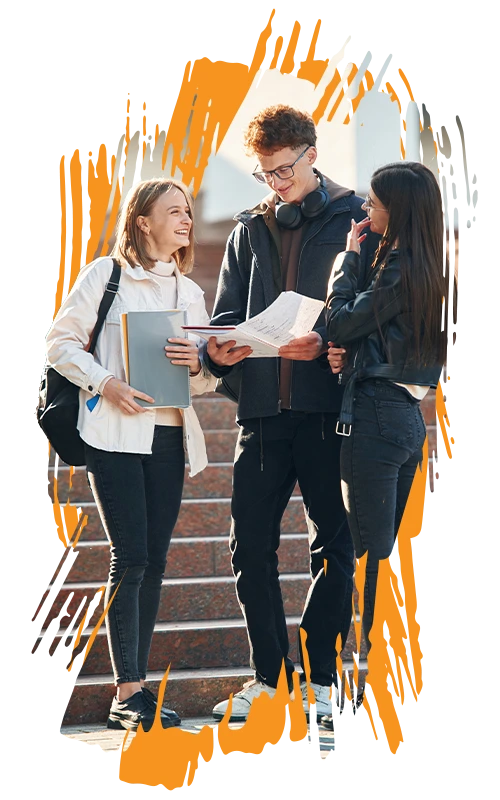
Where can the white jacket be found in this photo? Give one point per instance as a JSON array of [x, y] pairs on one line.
[[105, 427]]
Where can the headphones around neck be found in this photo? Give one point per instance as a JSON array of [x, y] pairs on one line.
[[292, 216]]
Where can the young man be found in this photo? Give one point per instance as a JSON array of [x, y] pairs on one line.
[[287, 407]]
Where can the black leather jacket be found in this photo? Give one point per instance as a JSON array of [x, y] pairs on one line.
[[351, 322]]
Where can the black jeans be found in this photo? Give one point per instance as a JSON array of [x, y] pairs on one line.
[[377, 465], [138, 498], [271, 455]]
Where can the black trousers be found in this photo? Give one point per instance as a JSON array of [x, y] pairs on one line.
[[272, 454]]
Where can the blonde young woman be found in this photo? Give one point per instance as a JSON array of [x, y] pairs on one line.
[[134, 455]]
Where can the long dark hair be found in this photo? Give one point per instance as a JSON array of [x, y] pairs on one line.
[[410, 193]]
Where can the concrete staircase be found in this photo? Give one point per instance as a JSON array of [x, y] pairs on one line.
[[200, 630]]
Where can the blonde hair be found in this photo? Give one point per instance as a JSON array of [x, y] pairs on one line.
[[131, 243]]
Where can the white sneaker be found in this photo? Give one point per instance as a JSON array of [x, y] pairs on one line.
[[322, 699], [242, 701]]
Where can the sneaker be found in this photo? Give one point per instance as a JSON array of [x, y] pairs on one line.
[[242, 701], [165, 712], [322, 699], [127, 714]]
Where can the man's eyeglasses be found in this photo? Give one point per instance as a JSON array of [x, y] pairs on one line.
[[282, 172], [368, 204]]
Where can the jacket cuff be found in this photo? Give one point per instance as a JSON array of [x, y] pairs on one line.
[[95, 378]]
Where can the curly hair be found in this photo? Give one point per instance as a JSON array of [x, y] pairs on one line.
[[277, 127]]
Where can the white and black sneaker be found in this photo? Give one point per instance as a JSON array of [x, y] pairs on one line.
[[242, 701]]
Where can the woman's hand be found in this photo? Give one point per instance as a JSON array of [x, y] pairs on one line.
[[221, 356], [336, 358], [186, 355], [355, 235], [122, 396]]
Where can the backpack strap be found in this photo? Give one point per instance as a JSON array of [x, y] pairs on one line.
[[106, 303]]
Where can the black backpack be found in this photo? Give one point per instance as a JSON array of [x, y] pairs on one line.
[[58, 402]]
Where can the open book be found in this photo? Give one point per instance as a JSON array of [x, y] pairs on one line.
[[291, 316]]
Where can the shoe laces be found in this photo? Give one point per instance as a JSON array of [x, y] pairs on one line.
[[252, 687]]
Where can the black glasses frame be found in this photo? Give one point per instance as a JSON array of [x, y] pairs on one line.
[[265, 176]]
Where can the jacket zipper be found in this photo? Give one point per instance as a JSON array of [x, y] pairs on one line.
[[297, 284]]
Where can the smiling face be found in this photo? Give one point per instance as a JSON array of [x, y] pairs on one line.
[[168, 226], [378, 214], [303, 181]]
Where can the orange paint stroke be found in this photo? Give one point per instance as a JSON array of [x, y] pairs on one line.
[[76, 201], [97, 627], [288, 64], [99, 188], [325, 99], [108, 236], [338, 661], [355, 671], [350, 78], [266, 720], [157, 133], [162, 756], [442, 415], [393, 95], [210, 95], [387, 605], [277, 51], [365, 85], [62, 260], [307, 666], [127, 128], [67, 519], [144, 133], [406, 83], [310, 69]]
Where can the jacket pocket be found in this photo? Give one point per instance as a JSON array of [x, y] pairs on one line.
[[396, 420]]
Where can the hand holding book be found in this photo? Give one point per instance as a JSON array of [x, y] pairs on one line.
[[184, 352]]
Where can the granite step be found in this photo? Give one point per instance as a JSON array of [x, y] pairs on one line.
[[200, 517], [214, 481], [181, 599], [195, 645], [191, 693], [189, 557]]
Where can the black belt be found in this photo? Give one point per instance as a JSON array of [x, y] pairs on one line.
[[345, 420]]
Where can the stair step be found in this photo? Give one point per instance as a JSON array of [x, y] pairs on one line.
[[214, 481], [215, 412], [193, 645], [200, 517], [195, 557], [192, 693], [184, 599]]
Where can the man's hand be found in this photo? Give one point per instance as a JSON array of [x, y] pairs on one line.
[[336, 358], [122, 396], [221, 356], [306, 348]]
